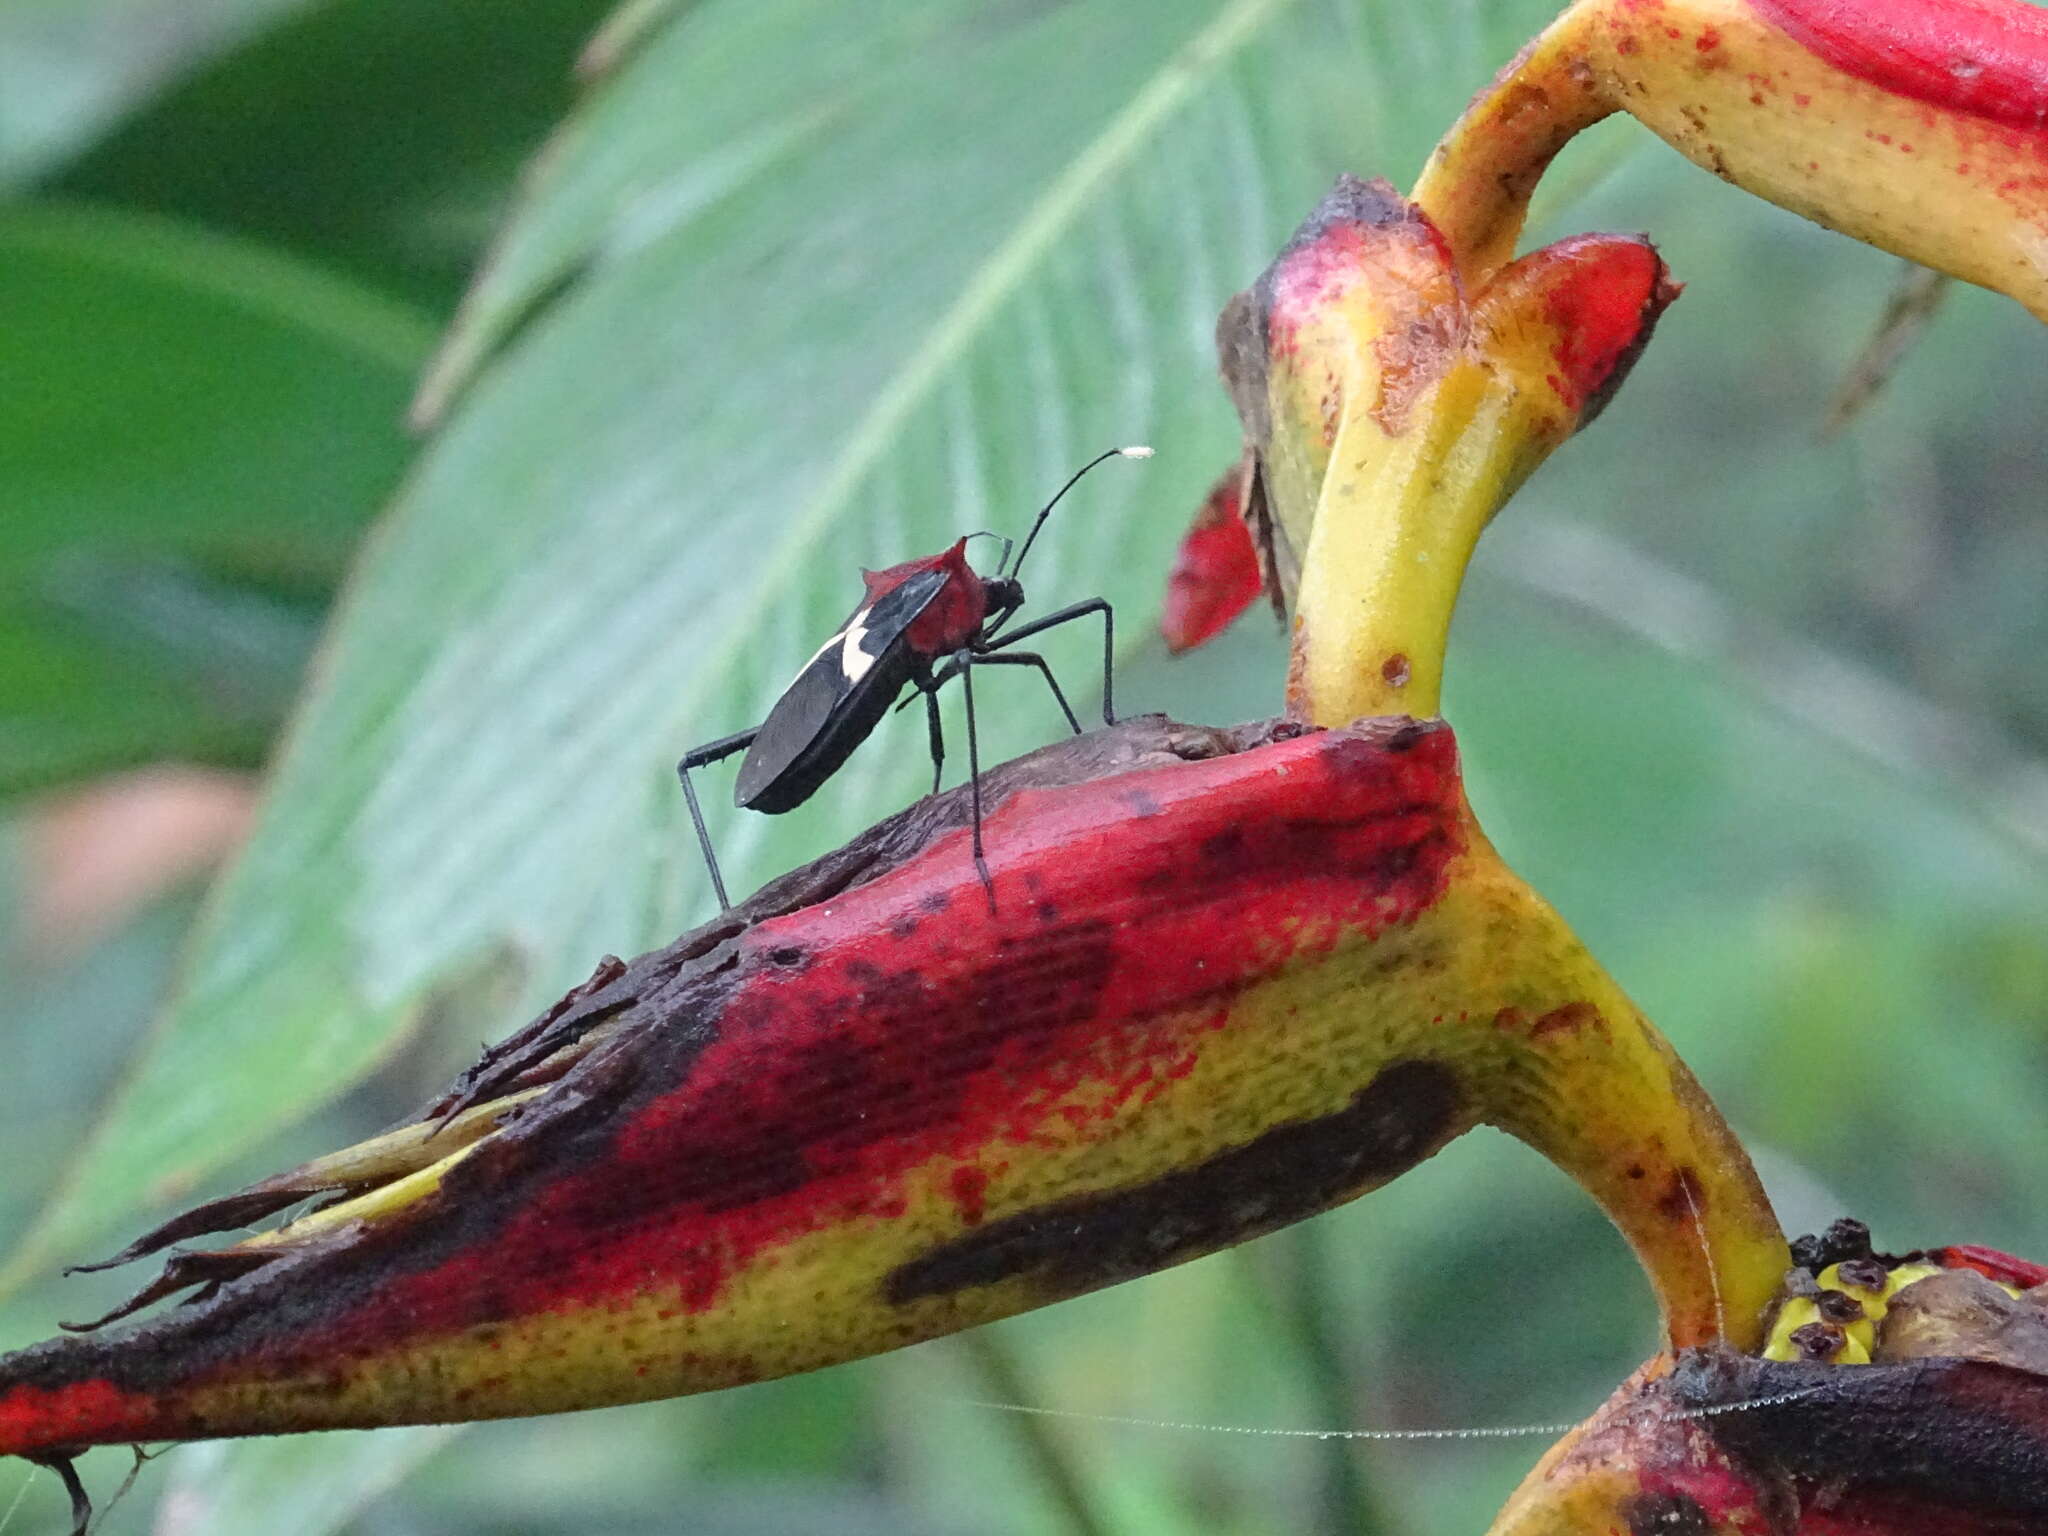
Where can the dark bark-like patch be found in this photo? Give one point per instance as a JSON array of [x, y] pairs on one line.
[[1291, 1172], [1960, 1436]]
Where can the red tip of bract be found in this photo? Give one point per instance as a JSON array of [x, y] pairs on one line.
[[34, 1417], [1215, 575], [1605, 293], [2002, 1267], [1987, 58], [1368, 251]]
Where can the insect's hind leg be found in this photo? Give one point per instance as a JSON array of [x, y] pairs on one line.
[[1033, 659], [699, 757], [67, 1474], [1067, 615]]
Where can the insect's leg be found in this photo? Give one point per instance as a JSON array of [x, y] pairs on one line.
[[67, 1474], [965, 660], [698, 757], [703, 836], [931, 715], [712, 751], [1033, 659], [1066, 615], [936, 681]]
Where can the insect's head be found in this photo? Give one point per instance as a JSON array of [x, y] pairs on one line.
[[1004, 596]]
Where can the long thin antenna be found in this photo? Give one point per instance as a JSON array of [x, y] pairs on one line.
[[1135, 451]]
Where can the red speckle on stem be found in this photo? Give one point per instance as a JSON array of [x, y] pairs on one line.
[[1570, 1018], [1986, 58], [970, 1193]]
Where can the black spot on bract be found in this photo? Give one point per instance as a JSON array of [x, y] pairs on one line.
[[1290, 1172]]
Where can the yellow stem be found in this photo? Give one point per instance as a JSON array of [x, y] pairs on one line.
[[1478, 181], [1395, 526]]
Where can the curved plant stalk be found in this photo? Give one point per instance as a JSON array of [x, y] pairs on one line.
[[1920, 126], [1389, 412], [1913, 125]]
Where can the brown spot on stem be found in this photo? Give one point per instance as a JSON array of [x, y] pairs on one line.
[[1570, 1018]]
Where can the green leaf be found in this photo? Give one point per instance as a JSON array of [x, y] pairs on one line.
[[292, 1485], [382, 136], [198, 431], [853, 281], [70, 67]]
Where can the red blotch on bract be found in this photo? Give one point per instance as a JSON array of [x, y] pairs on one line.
[[2002, 1267], [1215, 574], [37, 1418], [1986, 58], [1603, 305]]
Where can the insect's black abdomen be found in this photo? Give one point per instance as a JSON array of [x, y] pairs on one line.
[[773, 785], [841, 695]]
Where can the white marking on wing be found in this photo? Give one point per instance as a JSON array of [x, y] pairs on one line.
[[854, 659], [832, 640], [856, 627]]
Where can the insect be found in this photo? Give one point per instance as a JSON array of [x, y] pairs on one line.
[[922, 623]]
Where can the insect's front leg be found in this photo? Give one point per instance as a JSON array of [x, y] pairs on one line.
[[1033, 659], [1066, 615]]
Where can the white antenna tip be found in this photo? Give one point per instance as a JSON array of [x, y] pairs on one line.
[[1136, 451]]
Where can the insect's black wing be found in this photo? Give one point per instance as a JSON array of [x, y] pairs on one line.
[[835, 701]]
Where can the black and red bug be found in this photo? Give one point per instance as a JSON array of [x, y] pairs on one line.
[[922, 623]]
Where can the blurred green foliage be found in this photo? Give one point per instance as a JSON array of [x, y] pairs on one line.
[[805, 285]]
